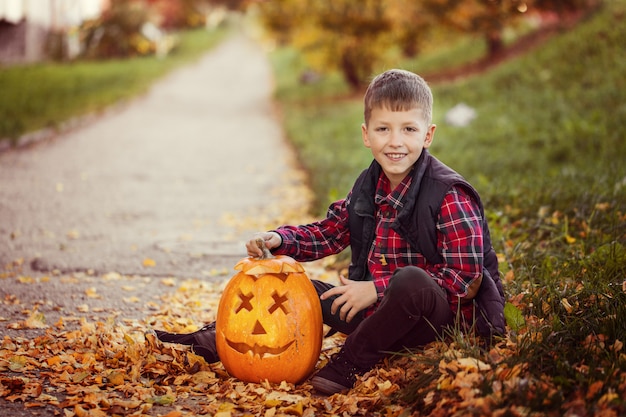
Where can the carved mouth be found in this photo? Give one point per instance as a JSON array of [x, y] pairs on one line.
[[261, 351]]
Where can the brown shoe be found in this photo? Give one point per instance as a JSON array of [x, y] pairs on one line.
[[338, 375]]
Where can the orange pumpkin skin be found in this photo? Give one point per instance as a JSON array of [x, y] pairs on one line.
[[269, 322]]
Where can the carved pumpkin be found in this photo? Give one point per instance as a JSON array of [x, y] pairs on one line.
[[269, 322]]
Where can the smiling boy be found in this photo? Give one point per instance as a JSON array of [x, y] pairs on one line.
[[420, 243], [422, 258]]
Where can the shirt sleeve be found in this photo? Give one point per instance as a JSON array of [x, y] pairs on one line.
[[460, 242], [318, 239]]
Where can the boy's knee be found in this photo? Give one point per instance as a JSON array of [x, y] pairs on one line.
[[408, 279]]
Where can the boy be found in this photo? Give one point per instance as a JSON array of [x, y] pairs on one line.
[[421, 251]]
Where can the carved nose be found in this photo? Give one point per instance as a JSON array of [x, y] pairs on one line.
[[258, 328]]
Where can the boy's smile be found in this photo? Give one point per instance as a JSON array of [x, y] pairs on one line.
[[396, 139]]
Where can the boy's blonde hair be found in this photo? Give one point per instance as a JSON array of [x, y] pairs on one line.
[[398, 90]]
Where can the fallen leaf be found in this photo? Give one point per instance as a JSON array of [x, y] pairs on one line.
[[92, 292], [593, 389], [36, 320], [166, 399], [73, 234]]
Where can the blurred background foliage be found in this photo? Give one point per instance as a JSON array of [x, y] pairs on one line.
[[343, 40], [130, 28], [355, 38]]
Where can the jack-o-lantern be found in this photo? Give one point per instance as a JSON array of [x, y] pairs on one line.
[[269, 321]]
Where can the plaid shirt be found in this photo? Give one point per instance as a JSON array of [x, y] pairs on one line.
[[460, 242]]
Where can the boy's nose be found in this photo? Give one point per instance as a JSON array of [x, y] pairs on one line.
[[395, 139]]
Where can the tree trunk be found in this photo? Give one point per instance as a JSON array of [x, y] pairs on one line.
[[350, 72], [494, 43]]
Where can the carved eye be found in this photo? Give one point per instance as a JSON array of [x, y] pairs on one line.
[[245, 302], [279, 301]]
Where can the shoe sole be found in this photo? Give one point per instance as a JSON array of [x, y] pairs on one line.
[[326, 386]]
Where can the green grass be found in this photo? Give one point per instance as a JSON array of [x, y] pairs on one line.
[[547, 153], [34, 97]]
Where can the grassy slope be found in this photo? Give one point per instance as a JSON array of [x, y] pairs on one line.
[[547, 154], [556, 111]]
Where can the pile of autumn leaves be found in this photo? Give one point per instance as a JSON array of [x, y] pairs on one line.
[[101, 368], [117, 367]]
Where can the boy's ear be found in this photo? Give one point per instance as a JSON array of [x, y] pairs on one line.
[[430, 135], [364, 135]]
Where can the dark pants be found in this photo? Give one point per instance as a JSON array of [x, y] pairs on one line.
[[414, 311]]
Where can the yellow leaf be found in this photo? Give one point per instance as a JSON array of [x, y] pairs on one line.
[[473, 365], [166, 399], [603, 206], [54, 360], [206, 377], [570, 239], [79, 376], [607, 398], [17, 363], [80, 411], [169, 282], [295, 409], [149, 263], [73, 234], [92, 292], [272, 403], [36, 321], [181, 379], [568, 307]]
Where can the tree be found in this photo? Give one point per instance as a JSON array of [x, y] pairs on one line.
[[412, 25], [355, 37], [482, 17], [564, 6], [117, 32], [340, 34]]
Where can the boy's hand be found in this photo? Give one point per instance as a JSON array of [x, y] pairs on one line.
[[353, 296], [272, 240]]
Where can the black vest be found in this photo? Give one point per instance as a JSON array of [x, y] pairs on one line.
[[416, 223]]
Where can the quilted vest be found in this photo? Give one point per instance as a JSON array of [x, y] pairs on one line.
[[416, 223]]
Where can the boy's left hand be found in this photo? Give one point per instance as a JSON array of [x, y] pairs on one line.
[[352, 297]]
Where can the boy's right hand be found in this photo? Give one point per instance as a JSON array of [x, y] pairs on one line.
[[272, 240]]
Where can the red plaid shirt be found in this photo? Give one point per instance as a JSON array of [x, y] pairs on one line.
[[460, 241]]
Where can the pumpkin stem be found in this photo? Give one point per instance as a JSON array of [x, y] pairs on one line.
[[266, 252]]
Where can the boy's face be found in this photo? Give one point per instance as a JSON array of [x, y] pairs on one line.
[[396, 139]]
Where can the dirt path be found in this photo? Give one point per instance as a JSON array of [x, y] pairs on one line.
[[154, 181]]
